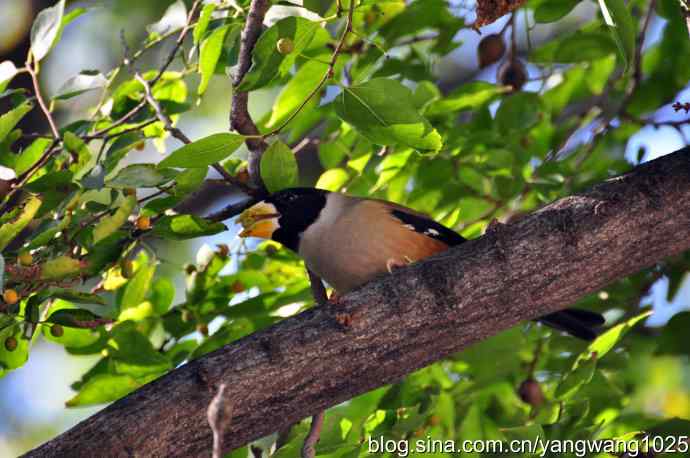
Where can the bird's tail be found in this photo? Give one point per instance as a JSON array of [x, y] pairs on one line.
[[576, 322]]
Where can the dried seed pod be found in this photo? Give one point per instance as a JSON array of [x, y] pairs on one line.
[[512, 73], [491, 48], [531, 393]]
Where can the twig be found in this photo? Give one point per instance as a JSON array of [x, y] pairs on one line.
[[240, 119], [178, 134], [171, 56], [28, 174], [637, 75], [309, 447], [107, 137], [219, 415], [651, 122], [164, 118], [37, 90]]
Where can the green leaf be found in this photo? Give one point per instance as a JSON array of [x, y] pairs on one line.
[[83, 82], [10, 119], [162, 295], [61, 267], [203, 22], [7, 71], [617, 16], [138, 286], [133, 353], [141, 176], [576, 378], [382, 110], [45, 30], [109, 224], [468, 96], [553, 10], [80, 149], [584, 47], [268, 62], [673, 339], [10, 229], [102, 388], [518, 112], [279, 167], [606, 341], [333, 179], [31, 155], [297, 89], [189, 180], [210, 52], [204, 152], [183, 227], [17, 357], [119, 149], [77, 318], [74, 296]]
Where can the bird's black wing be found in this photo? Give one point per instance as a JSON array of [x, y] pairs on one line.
[[428, 227], [576, 322]]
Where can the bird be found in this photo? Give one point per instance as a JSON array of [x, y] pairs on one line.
[[347, 241]]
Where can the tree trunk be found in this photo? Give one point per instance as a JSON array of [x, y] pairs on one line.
[[402, 322]]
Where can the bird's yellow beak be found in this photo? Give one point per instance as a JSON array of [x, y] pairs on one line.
[[259, 220]]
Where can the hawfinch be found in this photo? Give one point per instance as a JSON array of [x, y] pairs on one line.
[[348, 241]]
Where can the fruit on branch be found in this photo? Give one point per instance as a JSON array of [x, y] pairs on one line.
[[285, 46], [491, 48], [512, 73]]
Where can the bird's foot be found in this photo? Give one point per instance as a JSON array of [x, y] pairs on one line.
[[393, 263]]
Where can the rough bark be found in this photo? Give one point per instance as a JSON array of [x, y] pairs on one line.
[[405, 321]]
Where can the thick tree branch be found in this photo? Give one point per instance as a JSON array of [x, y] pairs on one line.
[[402, 322]]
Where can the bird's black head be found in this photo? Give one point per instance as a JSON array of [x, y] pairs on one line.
[[284, 215]]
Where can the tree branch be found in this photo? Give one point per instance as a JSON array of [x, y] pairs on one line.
[[240, 120], [399, 323]]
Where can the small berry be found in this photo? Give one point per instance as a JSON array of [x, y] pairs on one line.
[[203, 330], [130, 192], [10, 344], [25, 258], [57, 330], [143, 223], [190, 269], [10, 296], [127, 268], [140, 146], [285, 46]]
